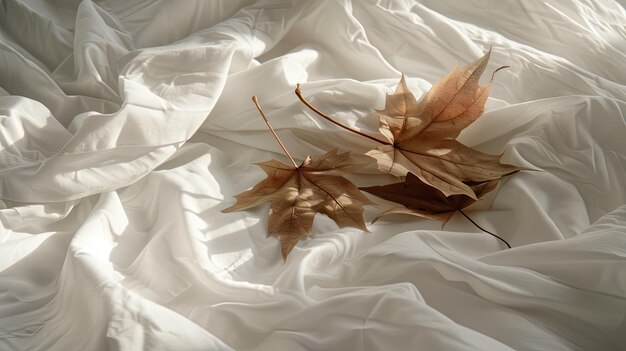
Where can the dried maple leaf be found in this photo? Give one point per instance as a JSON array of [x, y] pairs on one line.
[[421, 134], [422, 200], [298, 192]]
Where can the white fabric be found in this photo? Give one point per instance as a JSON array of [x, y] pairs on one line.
[[126, 126]]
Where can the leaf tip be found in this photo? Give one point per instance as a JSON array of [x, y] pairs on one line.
[[228, 209], [487, 54], [285, 249], [402, 87]]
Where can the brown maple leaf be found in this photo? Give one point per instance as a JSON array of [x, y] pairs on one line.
[[422, 200], [298, 192], [421, 135]]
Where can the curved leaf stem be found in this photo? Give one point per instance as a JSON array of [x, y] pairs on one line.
[[331, 120], [256, 102], [483, 229], [496, 71]]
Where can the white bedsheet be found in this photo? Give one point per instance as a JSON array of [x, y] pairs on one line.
[[126, 126]]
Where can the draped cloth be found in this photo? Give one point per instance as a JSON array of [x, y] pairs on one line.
[[127, 126]]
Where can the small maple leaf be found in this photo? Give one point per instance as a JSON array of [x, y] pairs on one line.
[[422, 200], [421, 135], [298, 192]]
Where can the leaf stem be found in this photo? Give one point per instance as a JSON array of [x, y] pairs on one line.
[[331, 120], [483, 229], [496, 71], [256, 102]]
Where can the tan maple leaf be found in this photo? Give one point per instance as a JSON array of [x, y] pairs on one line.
[[298, 192], [421, 135]]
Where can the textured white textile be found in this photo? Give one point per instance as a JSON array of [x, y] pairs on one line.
[[127, 126]]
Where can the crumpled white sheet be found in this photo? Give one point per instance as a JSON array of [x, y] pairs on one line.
[[126, 126]]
